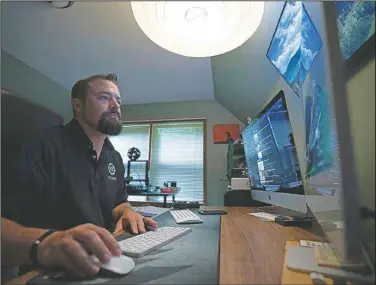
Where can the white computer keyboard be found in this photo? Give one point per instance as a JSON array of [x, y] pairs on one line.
[[143, 244], [185, 217]]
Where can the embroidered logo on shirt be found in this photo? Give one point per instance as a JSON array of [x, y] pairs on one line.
[[111, 168]]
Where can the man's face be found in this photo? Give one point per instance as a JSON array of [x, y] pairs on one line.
[[101, 109]]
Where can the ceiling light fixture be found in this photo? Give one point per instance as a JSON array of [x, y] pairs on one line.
[[198, 28], [61, 4]]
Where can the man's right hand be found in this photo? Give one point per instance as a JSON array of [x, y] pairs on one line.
[[72, 249]]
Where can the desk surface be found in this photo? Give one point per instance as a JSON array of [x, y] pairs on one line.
[[250, 251]]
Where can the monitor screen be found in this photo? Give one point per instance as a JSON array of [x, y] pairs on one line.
[[356, 24], [294, 45], [270, 151], [322, 174], [320, 134]]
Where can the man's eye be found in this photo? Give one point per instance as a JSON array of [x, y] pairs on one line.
[[104, 97]]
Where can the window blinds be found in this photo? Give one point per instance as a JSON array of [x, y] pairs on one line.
[[177, 154]]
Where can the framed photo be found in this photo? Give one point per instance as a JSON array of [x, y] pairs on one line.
[[295, 44], [356, 31], [221, 133]]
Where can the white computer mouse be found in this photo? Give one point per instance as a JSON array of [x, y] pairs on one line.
[[121, 265]]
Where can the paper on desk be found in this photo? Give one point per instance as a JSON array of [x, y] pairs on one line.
[[266, 217], [151, 211]]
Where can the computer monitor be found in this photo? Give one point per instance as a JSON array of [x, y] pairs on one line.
[[330, 172], [271, 158]]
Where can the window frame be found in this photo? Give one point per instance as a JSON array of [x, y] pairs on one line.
[[183, 120]]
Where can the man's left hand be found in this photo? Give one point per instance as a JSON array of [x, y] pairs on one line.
[[135, 221]]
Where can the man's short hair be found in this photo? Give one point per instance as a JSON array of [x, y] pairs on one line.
[[80, 88]]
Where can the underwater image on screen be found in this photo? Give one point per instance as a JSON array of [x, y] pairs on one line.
[[294, 45], [356, 24], [319, 137], [322, 162]]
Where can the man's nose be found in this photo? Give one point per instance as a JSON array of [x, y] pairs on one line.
[[114, 104]]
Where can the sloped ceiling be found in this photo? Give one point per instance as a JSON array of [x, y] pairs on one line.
[[97, 37]]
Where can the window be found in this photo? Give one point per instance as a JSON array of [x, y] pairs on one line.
[[133, 136], [175, 151]]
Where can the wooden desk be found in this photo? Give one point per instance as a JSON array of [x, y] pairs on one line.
[[251, 251]]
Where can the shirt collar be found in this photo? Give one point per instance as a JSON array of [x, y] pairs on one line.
[[82, 139]]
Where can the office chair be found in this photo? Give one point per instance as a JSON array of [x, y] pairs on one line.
[[20, 119], [31, 118]]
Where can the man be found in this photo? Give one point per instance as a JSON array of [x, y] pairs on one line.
[[71, 175]]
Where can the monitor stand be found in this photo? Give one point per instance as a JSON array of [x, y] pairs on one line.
[[276, 210], [302, 259]]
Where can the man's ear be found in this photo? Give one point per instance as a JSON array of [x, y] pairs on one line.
[[76, 105]]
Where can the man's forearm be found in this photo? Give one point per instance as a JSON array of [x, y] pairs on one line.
[[16, 241], [119, 210]]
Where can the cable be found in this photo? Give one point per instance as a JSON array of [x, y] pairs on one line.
[[366, 213]]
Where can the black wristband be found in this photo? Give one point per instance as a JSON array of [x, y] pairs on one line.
[[33, 254]]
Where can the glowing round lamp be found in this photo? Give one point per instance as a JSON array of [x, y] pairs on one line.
[[198, 28]]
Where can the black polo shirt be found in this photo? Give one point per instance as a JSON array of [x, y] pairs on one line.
[[59, 183]]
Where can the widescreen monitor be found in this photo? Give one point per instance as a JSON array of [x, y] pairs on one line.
[[271, 157], [330, 166]]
